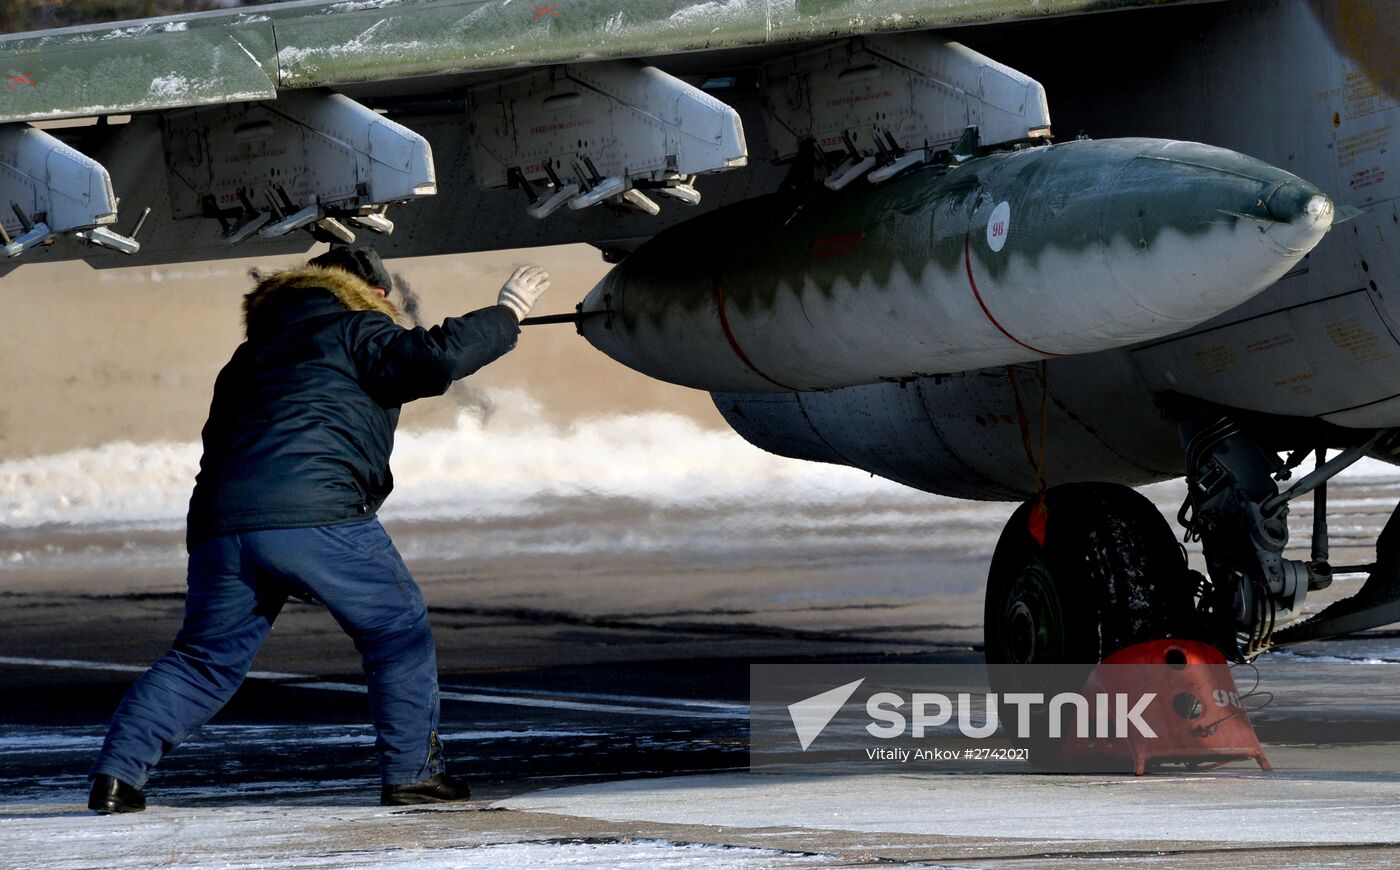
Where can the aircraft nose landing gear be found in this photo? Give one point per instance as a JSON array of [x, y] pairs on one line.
[[1102, 570], [1236, 510]]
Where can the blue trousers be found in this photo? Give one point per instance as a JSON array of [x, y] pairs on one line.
[[237, 586]]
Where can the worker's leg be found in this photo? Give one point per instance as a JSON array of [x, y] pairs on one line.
[[355, 569], [228, 613]]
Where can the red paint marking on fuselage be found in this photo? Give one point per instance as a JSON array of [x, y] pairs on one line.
[[14, 80], [835, 246], [734, 342], [972, 282], [542, 11]]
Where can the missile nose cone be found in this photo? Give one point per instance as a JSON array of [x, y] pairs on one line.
[[1291, 214], [1290, 200], [1247, 223], [1301, 216], [1318, 207]]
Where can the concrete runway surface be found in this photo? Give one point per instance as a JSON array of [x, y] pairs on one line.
[[598, 703]]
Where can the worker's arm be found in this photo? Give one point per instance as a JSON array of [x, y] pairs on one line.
[[397, 365]]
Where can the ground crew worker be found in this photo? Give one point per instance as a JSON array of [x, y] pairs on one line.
[[295, 465]]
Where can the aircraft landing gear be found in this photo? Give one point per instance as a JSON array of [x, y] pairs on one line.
[[1102, 570], [1236, 509], [1109, 574]]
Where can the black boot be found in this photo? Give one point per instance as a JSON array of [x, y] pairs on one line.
[[111, 795], [440, 788], [437, 789]]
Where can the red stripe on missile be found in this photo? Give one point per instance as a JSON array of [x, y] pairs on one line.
[[835, 246], [734, 342], [972, 282]]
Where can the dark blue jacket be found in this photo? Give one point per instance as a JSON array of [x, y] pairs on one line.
[[302, 422]]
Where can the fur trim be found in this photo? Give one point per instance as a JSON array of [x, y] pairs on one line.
[[352, 291]]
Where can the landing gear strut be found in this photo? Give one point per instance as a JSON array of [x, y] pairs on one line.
[[1236, 509]]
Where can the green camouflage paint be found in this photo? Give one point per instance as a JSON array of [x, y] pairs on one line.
[[162, 64], [1078, 197], [246, 54]]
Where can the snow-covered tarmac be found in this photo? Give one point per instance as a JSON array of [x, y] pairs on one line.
[[297, 794], [597, 704], [745, 820], [334, 837], [1217, 809]]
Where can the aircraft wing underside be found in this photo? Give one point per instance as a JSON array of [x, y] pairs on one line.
[[276, 125], [254, 52]]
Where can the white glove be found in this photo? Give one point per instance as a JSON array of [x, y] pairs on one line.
[[523, 289]]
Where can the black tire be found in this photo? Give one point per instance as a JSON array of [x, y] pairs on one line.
[[1110, 574]]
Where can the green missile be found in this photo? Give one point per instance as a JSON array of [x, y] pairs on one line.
[[1032, 254]]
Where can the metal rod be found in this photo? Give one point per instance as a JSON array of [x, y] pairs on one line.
[[572, 317], [23, 218], [1318, 476], [140, 222], [1353, 569], [1319, 534]]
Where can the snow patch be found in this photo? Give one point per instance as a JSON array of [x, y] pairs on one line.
[[170, 87], [497, 461], [360, 45], [715, 12], [360, 6], [1339, 807], [128, 32], [1284, 655], [285, 837]]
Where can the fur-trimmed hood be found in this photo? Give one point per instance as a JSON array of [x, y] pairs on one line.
[[352, 292]]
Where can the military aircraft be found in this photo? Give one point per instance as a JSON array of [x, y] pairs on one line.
[[851, 222]]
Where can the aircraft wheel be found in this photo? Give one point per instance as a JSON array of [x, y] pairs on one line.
[[1109, 575]]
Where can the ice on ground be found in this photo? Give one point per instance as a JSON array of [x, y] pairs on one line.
[[325, 836], [21, 739], [1286, 655], [1221, 808], [50, 740]]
